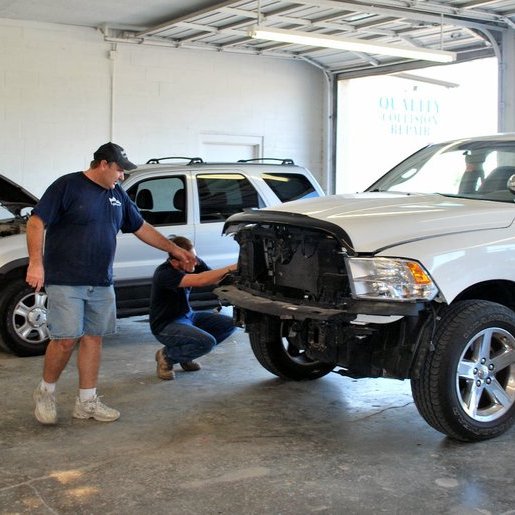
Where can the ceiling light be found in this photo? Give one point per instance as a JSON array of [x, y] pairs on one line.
[[351, 44]]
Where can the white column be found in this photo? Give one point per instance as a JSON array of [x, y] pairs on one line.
[[507, 83]]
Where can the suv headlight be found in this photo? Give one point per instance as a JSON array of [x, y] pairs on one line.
[[390, 279]]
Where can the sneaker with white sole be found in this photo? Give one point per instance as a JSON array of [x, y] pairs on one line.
[[94, 408], [46, 409]]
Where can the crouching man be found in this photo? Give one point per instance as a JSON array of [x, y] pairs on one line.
[[185, 334]]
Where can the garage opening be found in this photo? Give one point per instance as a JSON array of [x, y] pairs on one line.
[[383, 119]]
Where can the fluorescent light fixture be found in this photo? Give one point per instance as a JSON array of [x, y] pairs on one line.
[[351, 44]]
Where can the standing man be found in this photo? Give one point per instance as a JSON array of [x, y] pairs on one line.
[[185, 334], [82, 213]]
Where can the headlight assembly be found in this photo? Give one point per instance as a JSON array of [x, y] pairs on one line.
[[390, 279]]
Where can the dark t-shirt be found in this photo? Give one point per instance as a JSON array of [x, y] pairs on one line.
[[168, 301], [82, 220]]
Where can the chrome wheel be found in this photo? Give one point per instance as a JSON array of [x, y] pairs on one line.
[[23, 327], [485, 377], [29, 318], [465, 386]]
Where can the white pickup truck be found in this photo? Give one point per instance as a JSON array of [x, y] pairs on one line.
[[412, 279]]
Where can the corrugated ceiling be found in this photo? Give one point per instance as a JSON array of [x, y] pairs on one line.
[[471, 28]]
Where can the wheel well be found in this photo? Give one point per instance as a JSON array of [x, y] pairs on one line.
[[15, 273], [502, 292]]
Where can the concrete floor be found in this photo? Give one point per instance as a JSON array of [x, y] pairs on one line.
[[233, 439]]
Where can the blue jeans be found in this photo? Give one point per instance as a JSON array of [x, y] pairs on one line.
[[193, 335]]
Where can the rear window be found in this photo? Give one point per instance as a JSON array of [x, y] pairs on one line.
[[290, 186]]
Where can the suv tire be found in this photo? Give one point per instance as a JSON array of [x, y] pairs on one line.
[[23, 329], [464, 385], [279, 355]]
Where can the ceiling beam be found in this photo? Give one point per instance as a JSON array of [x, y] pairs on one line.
[[416, 10], [464, 17], [163, 27]]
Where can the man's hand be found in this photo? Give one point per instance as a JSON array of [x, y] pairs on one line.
[[187, 258], [35, 276]]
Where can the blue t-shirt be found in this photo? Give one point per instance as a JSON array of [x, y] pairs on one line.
[[168, 301], [82, 220]]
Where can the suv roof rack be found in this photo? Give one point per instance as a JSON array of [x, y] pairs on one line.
[[283, 161], [192, 160]]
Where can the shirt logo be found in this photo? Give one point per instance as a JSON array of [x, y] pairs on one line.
[[114, 201]]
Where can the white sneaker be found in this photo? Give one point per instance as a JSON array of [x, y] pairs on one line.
[[94, 408], [46, 410]]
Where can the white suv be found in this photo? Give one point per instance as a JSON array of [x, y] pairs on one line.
[[412, 279], [191, 199]]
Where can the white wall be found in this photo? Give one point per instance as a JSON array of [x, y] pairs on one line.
[[56, 100]]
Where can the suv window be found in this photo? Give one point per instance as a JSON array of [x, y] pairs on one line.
[[161, 201], [289, 186], [223, 194]]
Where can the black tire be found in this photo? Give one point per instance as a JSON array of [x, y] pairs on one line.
[[23, 326], [280, 356], [465, 388]]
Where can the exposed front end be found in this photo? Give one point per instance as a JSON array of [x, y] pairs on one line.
[[327, 302]]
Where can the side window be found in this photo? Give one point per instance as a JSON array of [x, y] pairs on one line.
[[290, 186], [161, 201], [223, 194], [499, 167]]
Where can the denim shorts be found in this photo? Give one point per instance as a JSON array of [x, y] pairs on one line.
[[77, 310]]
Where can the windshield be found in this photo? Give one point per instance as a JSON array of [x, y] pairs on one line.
[[472, 169]]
